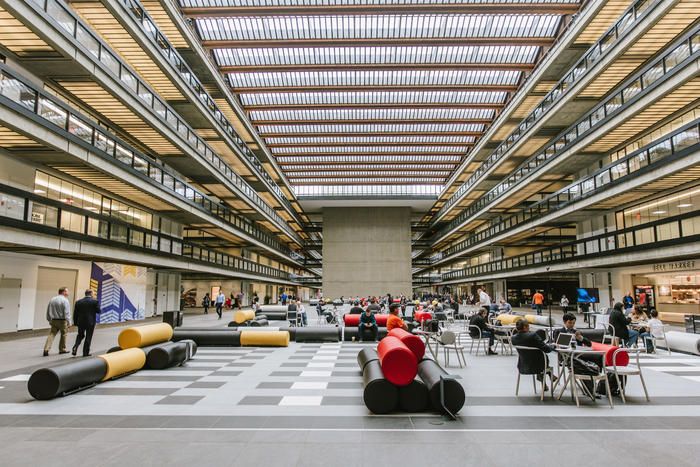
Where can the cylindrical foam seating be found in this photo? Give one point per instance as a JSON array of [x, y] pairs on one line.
[[277, 308], [47, 383], [257, 316], [316, 334], [413, 342], [233, 324], [622, 359], [123, 362], [365, 356], [259, 322], [264, 339], [430, 372], [594, 335], [399, 364], [350, 332], [204, 338], [167, 355], [354, 320], [508, 319], [275, 315], [683, 342], [116, 348], [141, 336], [421, 316], [191, 348], [379, 395], [241, 316], [413, 397], [539, 320]]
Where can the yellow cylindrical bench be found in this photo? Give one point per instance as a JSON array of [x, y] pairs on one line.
[[539, 320], [241, 316], [142, 336], [265, 338], [508, 319], [124, 361]]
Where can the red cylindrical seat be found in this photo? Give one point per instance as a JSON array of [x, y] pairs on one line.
[[413, 342], [354, 320], [623, 358], [399, 364], [421, 316]]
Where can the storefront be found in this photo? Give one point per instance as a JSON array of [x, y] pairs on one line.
[[674, 286]]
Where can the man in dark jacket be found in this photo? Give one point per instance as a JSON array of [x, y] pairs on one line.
[[619, 321], [479, 320], [356, 309], [368, 323], [570, 328], [530, 362], [85, 317]]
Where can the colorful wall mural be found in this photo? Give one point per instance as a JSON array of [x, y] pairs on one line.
[[121, 291]]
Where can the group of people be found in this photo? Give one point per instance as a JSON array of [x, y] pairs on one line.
[[220, 302], [58, 314], [368, 322]]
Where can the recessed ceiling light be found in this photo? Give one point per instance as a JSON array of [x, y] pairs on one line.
[[685, 205], [658, 212]]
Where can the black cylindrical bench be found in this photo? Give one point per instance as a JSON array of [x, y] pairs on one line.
[[72, 376], [430, 372], [379, 395]]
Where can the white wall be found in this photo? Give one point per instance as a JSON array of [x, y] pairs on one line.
[[26, 268]]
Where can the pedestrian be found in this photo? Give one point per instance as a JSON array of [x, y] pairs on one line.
[[564, 304], [538, 301], [239, 300], [206, 303], [58, 316], [219, 303], [484, 300], [85, 317]]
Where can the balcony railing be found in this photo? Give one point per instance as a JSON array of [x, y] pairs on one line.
[[631, 17], [684, 141], [666, 232], [79, 33], [22, 95], [27, 211], [634, 89]]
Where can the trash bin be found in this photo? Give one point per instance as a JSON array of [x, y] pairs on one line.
[[173, 318]]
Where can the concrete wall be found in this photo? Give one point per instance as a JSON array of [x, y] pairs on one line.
[[366, 251]]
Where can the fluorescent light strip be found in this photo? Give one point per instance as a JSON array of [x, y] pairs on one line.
[[320, 140], [377, 97], [371, 149], [372, 114], [374, 128]]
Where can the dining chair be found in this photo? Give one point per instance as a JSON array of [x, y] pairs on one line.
[[629, 370]]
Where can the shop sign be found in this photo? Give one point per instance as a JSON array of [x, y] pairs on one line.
[[675, 266]]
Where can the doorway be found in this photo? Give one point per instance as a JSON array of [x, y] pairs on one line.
[[48, 282], [10, 290]]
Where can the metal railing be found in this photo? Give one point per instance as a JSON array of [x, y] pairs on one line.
[[633, 15], [680, 54], [679, 229], [79, 33], [683, 141], [28, 211], [22, 95]]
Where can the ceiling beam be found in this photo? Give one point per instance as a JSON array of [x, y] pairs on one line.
[[370, 163], [362, 121], [346, 144], [496, 106], [378, 42], [363, 181], [379, 67], [388, 133], [376, 9], [370, 87]]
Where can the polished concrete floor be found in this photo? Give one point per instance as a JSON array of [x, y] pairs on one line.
[[302, 405]]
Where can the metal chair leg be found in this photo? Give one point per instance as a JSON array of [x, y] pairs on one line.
[[534, 384], [517, 385], [644, 386], [622, 389], [607, 389]]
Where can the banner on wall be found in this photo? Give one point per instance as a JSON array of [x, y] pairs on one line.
[[121, 291]]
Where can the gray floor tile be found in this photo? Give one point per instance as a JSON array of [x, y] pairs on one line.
[[180, 400]]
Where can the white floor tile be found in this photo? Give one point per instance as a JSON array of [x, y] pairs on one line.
[[16, 378], [325, 357], [301, 400], [320, 365], [309, 385], [315, 373]]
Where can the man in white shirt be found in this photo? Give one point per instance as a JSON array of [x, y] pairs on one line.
[[219, 303], [484, 300], [655, 329], [58, 316]]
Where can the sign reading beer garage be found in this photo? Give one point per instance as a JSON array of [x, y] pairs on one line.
[[675, 266]]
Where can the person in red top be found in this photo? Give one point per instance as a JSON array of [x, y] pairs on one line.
[[538, 301], [394, 321]]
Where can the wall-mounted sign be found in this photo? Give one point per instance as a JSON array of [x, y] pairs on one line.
[[675, 266]]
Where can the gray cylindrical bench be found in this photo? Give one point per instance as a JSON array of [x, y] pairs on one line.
[[683, 342]]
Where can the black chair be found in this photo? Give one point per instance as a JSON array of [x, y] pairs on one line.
[[533, 361]]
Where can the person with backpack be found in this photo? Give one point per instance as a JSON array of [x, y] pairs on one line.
[[206, 303]]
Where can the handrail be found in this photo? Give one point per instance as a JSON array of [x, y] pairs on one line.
[[104, 57], [596, 52], [680, 142], [180, 66], [30, 213], [681, 53], [618, 241], [23, 95]]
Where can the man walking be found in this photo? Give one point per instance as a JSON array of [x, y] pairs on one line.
[[219, 303], [538, 301], [85, 317], [58, 316]]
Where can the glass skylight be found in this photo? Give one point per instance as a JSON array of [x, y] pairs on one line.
[[374, 128], [376, 78], [230, 3], [353, 167], [394, 188], [370, 150], [377, 55], [376, 26], [320, 140], [369, 158], [372, 114], [377, 97], [353, 180], [363, 173]]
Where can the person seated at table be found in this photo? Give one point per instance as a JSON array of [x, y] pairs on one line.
[[524, 338], [368, 323], [619, 322], [570, 328], [479, 320], [393, 321], [504, 307], [655, 329], [639, 318], [373, 307], [356, 309]]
